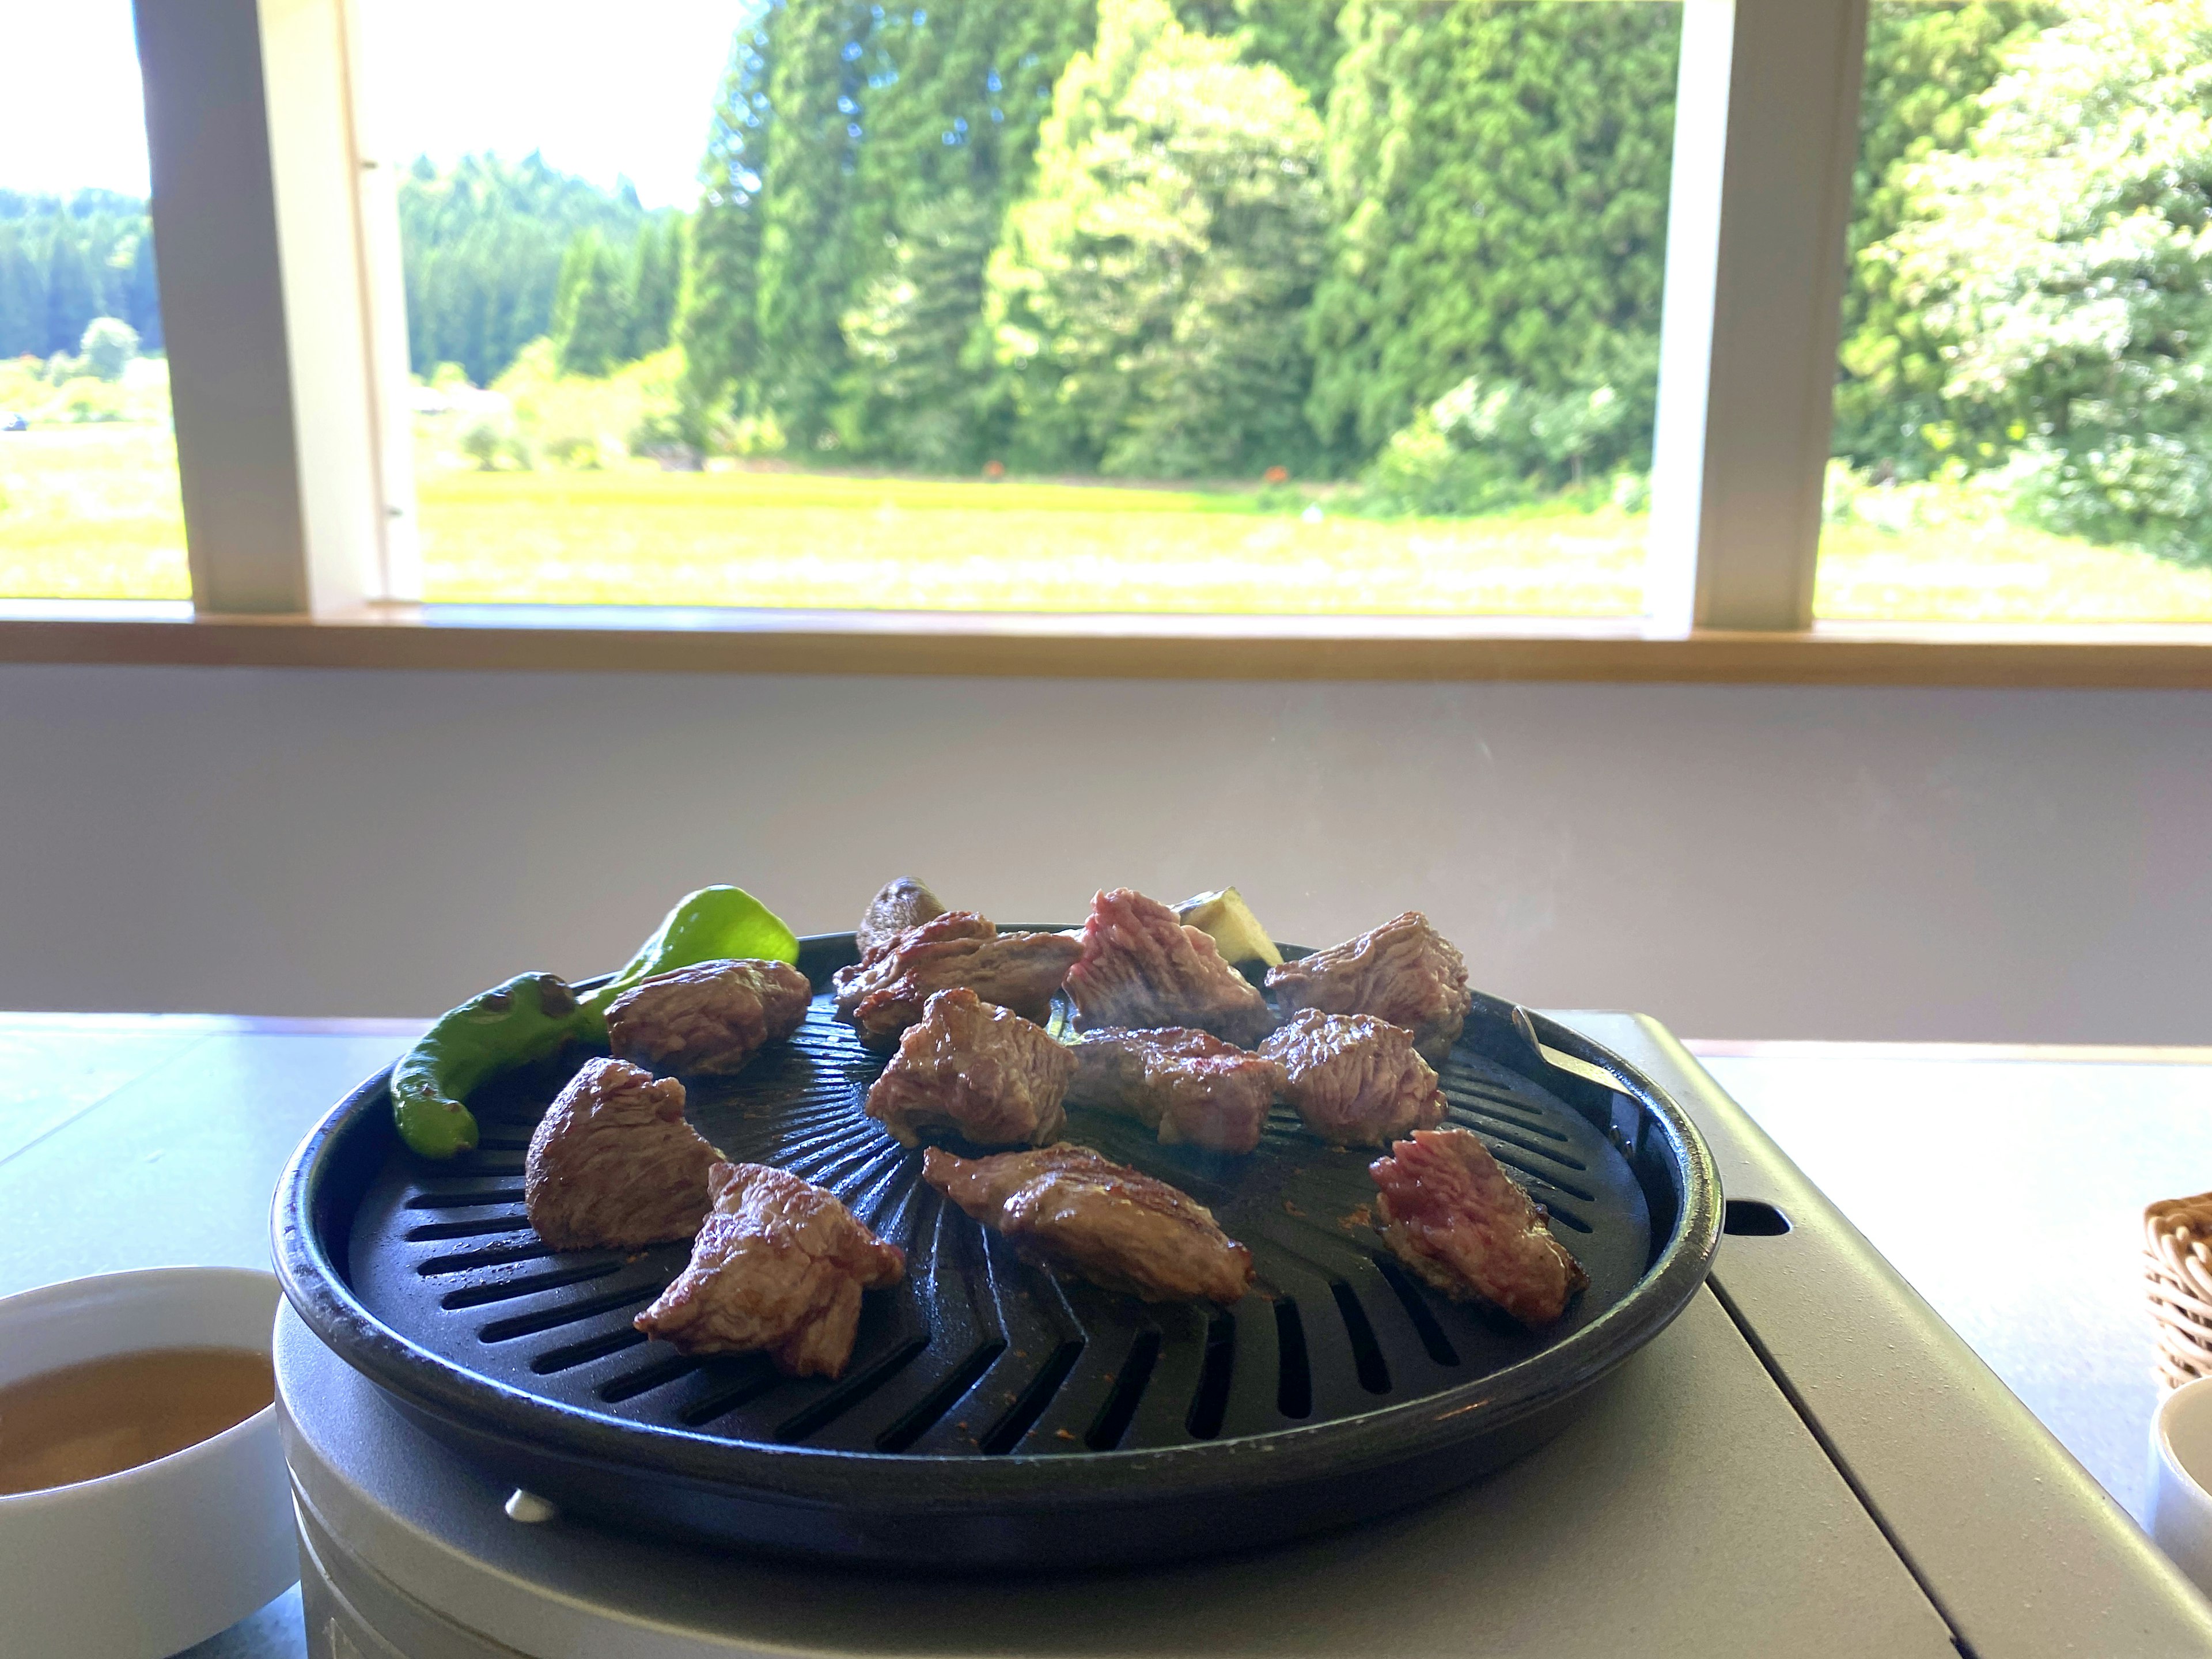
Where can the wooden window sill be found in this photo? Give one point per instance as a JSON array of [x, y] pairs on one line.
[[649, 639]]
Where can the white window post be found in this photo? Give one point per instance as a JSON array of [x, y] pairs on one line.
[[266, 277], [1765, 135]]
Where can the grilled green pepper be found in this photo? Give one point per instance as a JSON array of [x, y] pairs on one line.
[[706, 925], [511, 1024]]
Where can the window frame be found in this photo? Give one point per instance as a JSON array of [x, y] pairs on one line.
[[277, 223]]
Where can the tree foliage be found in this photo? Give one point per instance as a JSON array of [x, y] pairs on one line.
[[718, 302], [914, 391], [108, 345], [1927, 68], [1149, 299], [2066, 254], [590, 308], [1299, 37], [839, 125], [1499, 175], [482, 246], [65, 261]]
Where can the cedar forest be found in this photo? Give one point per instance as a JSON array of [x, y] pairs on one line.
[[1413, 242]]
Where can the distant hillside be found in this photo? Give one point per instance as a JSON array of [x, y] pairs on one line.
[[482, 244], [65, 260]]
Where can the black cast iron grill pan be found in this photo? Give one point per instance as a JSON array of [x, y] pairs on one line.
[[995, 1414]]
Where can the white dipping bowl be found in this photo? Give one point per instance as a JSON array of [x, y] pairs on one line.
[[139, 1563]]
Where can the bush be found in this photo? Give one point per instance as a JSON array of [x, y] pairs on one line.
[[107, 348], [88, 401], [1488, 445], [488, 439], [582, 421]]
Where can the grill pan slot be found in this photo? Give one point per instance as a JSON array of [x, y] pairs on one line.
[[436, 1199], [1120, 1408]]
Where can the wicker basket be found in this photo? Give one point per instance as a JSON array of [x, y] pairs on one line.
[[2178, 1263]]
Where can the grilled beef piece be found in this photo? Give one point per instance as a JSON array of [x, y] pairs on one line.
[[1018, 971], [1404, 971], [975, 1069], [945, 926], [1140, 966], [709, 1019], [612, 1163], [1187, 1085], [1355, 1079], [1066, 1207], [897, 905], [1463, 1223], [779, 1264]]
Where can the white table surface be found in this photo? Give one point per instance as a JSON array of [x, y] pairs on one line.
[[2007, 1185]]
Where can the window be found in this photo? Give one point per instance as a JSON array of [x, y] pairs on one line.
[[88, 488], [1182, 305], [1358, 321], [2023, 419]]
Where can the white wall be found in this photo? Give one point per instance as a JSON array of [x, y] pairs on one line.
[[1742, 862]]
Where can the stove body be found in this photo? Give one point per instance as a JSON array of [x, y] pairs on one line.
[[1807, 1461]]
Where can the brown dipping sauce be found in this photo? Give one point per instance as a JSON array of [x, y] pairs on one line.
[[107, 1415]]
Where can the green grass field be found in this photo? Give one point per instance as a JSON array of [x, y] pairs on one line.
[[91, 512]]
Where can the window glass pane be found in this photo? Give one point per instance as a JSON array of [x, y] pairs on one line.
[[2024, 415], [1262, 305], [88, 502]]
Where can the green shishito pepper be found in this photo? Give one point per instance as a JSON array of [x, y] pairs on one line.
[[706, 925], [511, 1024], [530, 1017]]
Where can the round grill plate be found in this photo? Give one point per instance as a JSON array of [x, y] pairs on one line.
[[982, 1384]]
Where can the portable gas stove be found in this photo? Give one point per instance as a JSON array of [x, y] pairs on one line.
[[1805, 1461]]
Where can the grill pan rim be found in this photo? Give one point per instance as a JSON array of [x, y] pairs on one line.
[[428, 1385]]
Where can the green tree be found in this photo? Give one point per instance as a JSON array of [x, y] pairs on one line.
[[1149, 298], [656, 268], [911, 393], [1927, 68], [481, 245], [1498, 174], [2066, 257], [143, 294], [718, 302], [22, 297], [837, 123], [590, 308], [1299, 37], [803, 273], [72, 289]]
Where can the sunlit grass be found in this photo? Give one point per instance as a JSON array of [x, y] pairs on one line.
[[1995, 572], [91, 513], [814, 541]]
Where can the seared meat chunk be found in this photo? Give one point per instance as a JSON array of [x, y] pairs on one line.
[[1140, 966], [1066, 1207], [1355, 1079], [976, 1068], [945, 926], [709, 1019], [1404, 971], [1187, 1085], [1463, 1223], [1018, 971], [779, 1264], [613, 1164], [897, 905]]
